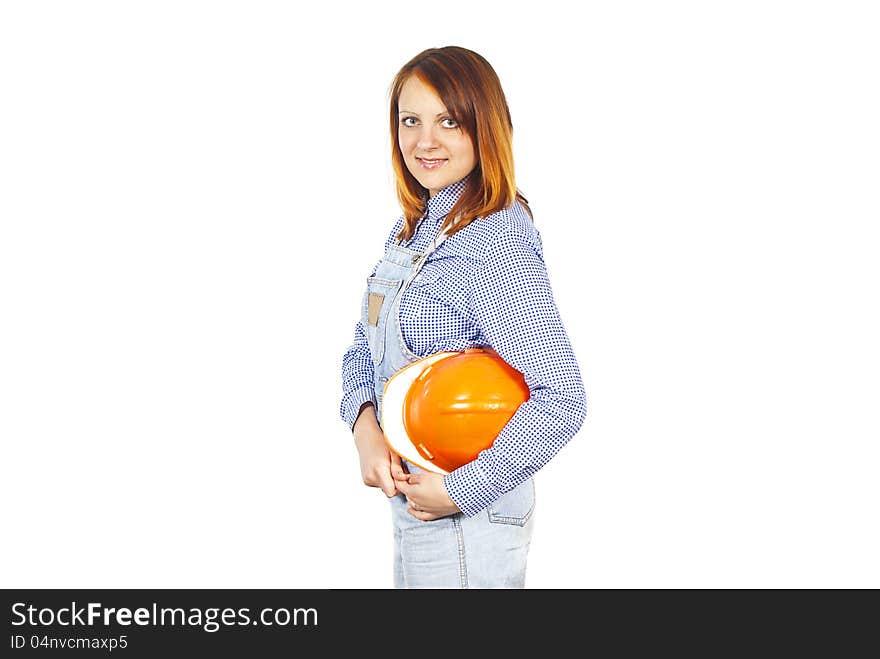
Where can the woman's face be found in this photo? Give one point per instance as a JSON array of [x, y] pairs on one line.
[[435, 149]]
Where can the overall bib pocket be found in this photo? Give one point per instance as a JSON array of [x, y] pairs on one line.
[[377, 303]]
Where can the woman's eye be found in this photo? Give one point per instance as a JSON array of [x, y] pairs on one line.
[[448, 122]]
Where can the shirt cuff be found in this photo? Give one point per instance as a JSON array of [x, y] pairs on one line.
[[469, 488], [351, 403]]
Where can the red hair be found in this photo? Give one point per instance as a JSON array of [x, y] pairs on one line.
[[471, 91]]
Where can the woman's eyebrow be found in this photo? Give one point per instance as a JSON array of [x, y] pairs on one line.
[[439, 114]]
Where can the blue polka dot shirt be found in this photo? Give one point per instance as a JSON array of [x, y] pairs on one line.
[[486, 286]]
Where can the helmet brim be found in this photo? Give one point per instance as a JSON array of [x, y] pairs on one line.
[[393, 401]]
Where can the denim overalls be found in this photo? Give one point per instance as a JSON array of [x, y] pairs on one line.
[[487, 550]]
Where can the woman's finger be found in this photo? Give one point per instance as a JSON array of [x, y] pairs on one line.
[[397, 468], [421, 514], [386, 483]]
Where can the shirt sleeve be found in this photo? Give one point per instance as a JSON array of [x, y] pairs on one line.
[[513, 305], [357, 377]]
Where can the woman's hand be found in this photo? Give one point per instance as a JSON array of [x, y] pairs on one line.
[[427, 496], [379, 466]]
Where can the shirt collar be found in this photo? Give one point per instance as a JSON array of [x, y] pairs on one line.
[[442, 202]]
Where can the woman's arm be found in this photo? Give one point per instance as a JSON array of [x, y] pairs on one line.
[[379, 467], [513, 305]]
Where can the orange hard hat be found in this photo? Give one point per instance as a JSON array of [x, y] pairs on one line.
[[440, 411]]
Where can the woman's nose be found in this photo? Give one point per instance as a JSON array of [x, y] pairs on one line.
[[427, 138]]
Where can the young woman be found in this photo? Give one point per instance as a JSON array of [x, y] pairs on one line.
[[463, 268]]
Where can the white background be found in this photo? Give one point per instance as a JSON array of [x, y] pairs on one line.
[[191, 194]]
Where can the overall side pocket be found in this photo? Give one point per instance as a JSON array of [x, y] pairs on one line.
[[514, 507]]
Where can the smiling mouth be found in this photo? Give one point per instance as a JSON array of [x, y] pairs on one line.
[[431, 164]]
